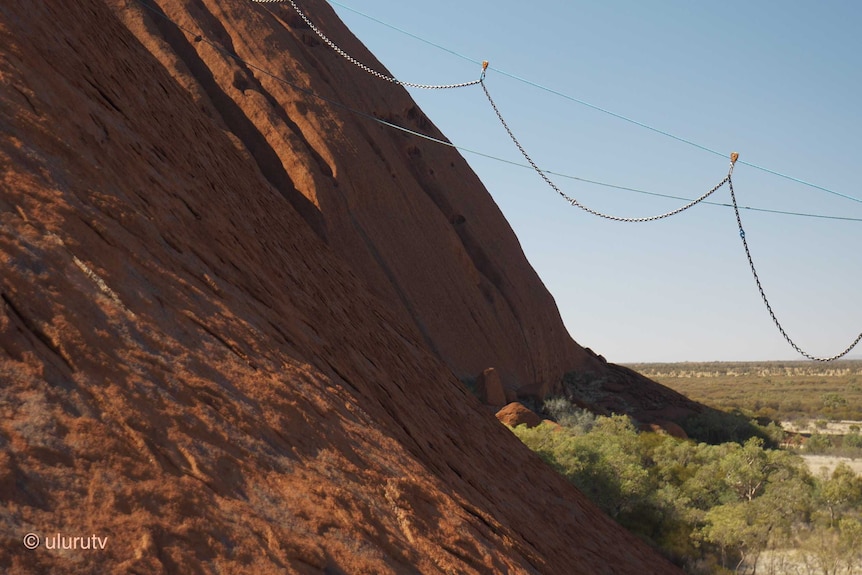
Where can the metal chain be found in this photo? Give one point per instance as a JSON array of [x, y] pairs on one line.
[[727, 180], [575, 202], [359, 64], [763, 294]]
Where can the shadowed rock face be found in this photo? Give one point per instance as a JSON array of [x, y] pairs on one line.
[[232, 315], [409, 216]]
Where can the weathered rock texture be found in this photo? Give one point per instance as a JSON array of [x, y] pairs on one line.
[[232, 314], [516, 414], [489, 388], [410, 217]]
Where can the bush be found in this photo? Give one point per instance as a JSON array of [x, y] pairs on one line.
[[854, 440], [833, 400], [563, 412], [702, 505], [818, 443]]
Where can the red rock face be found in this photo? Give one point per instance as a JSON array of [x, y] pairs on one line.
[[409, 216], [489, 388], [516, 414], [230, 316]]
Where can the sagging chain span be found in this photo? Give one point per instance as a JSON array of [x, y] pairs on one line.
[[575, 202], [359, 64], [481, 81], [763, 293]]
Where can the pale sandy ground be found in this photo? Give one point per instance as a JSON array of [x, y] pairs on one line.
[[831, 428], [817, 462], [792, 562]]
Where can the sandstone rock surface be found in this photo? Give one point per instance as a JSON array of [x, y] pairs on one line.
[[516, 414], [489, 388], [220, 345]]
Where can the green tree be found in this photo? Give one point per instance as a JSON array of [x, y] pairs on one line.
[[818, 443], [841, 491], [735, 528], [607, 463], [821, 551], [708, 504], [850, 542], [767, 492], [613, 469], [746, 469]]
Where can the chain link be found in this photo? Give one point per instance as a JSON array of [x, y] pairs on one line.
[[727, 180], [359, 64], [763, 294], [575, 202]]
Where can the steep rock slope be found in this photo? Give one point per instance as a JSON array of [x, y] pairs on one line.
[[409, 216], [191, 374]]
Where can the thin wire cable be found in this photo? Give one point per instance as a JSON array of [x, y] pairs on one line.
[[684, 199], [359, 64], [371, 117], [405, 32], [575, 202], [763, 293], [394, 80], [736, 207], [599, 108]]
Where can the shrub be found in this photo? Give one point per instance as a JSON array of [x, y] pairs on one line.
[[563, 412], [854, 440], [833, 400], [818, 443]]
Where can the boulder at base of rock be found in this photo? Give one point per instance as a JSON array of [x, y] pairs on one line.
[[667, 427], [515, 414], [673, 429], [489, 386]]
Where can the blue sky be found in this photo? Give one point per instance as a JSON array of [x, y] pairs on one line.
[[778, 82]]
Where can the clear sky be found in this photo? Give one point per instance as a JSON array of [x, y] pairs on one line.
[[780, 82]]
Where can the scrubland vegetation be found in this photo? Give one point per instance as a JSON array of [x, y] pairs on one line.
[[732, 499], [711, 508], [824, 401], [781, 391]]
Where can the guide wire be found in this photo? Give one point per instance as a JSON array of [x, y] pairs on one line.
[[572, 200], [338, 104], [543, 173], [593, 106], [394, 80]]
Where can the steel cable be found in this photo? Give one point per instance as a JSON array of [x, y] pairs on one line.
[[592, 106], [543, 173]]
